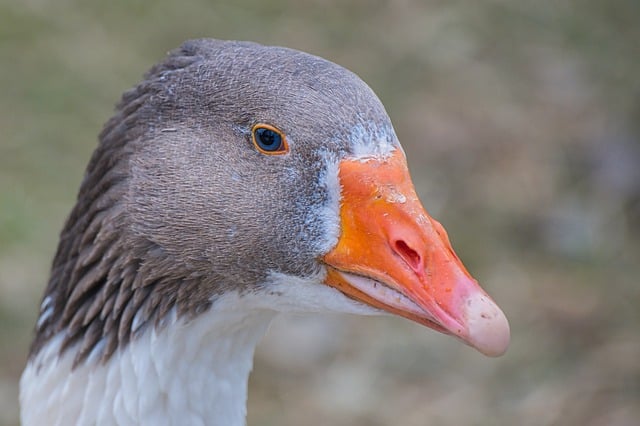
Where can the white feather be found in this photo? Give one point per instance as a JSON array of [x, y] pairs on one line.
[[187, 373]]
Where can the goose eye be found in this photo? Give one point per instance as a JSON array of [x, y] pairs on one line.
[[269, 140]]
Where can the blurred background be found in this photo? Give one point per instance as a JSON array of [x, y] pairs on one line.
[[521, 122]]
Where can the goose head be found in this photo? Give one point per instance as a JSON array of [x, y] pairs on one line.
[[241, 178]]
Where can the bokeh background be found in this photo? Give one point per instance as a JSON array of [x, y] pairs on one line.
[[521, 121]]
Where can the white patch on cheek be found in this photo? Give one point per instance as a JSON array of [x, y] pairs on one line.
[[329, 214], [367, 141], [373, 140]]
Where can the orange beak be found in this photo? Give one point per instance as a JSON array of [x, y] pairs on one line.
[[393, 256]]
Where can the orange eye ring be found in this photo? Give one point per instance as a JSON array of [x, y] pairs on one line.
[[269, 140]]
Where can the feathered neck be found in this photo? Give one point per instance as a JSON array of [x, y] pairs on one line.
[[188, 372]]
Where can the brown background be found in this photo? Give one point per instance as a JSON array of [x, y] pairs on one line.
[[521, 121]]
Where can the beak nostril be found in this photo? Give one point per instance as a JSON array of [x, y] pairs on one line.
[[409, 255]]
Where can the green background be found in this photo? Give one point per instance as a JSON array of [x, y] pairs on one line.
[[521, 122]]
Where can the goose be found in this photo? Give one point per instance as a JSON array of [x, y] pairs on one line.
[[235, 182]]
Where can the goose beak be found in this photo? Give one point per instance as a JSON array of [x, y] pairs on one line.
[[393, 256]]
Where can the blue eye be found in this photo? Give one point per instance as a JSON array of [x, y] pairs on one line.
[[269, 140]]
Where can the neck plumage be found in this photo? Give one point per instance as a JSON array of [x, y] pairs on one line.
[[192, 372]]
